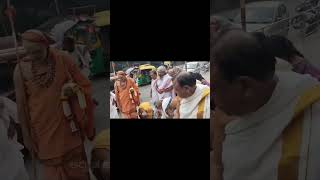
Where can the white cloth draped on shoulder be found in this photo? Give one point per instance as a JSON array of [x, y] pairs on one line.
[[252, 148], [189, 106]]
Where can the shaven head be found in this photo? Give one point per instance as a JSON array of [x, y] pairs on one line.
[[243, 73], [238, 53], [185, 85]]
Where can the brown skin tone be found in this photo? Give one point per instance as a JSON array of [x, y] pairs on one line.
[[170, 111], [123, 81], [101, 173], [37, 53], [296, 59], [159, 108], [241, 96], [244, 94], [171, 73], [185, 91], [153, 75]]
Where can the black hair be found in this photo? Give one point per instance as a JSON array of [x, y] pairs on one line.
[[68, 40], [198, 76], [278, 45], [283, 47], [186, 79], [238, 53]]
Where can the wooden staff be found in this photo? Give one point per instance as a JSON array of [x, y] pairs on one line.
[[34, 172]]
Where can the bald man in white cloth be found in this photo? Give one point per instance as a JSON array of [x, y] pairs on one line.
[[274, 131], [194, 98]]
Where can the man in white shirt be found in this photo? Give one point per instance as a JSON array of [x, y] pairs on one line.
[[153, 89], [164, 84]]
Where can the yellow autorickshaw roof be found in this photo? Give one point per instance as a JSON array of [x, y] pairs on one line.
[[147, 66], [102, 18]]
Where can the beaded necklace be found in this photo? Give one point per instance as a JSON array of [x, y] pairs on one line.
[[44, 79]]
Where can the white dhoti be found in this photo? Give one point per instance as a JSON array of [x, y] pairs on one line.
[[196, 105], [262, 146]]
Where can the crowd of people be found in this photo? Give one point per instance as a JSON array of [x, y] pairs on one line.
[[266, 122], [53, 115], [174, 94]]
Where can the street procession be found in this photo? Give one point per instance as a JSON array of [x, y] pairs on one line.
[[160, 90]]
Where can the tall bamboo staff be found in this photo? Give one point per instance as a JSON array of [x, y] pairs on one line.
[[10, 11]]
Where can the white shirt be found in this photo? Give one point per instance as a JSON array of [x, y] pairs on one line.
[[154, 93], [164, 83]]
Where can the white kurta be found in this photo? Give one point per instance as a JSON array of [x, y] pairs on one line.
[[154, 93], [189, 106], [164, 83], [11, 159], [113, 108], [253, 144]]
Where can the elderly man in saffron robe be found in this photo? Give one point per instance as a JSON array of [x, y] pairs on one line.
[[53, 133]]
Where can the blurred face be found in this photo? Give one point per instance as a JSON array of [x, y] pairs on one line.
[[239, 97], [35, 51], [161, 73], [153, 75], [171, 73], [122, 78], [183, 92]]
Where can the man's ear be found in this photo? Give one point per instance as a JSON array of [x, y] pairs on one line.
[[246, 84]]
